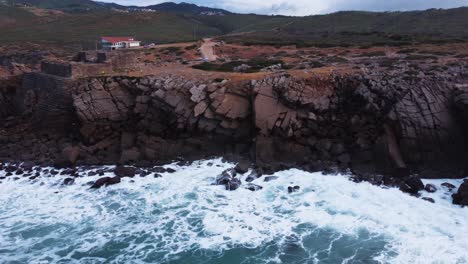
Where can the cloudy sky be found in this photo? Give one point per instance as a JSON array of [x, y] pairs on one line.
[[308, 7]]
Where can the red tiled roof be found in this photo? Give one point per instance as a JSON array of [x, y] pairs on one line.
[[117, 39]]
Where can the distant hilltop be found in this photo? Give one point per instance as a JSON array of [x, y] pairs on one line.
[[78, 6]]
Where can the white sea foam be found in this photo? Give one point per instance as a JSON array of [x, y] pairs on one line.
[[182, 218]]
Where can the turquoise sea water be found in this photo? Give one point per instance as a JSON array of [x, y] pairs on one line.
[[182, 218]]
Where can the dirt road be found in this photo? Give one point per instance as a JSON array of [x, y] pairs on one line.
[[207, 50]]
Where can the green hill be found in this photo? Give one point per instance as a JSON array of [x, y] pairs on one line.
[[361, 28], [26, 24], [64, 5]]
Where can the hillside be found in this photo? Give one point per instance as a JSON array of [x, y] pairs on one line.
[[24, 25], [360, 28], [30, 24], [64, 5], [185, 8], [81, 6]]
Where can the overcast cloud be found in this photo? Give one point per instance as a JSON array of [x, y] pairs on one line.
[[308, 7]]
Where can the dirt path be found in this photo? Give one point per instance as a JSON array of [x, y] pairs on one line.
[[207, 50]]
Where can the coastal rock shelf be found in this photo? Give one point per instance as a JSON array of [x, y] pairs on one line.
[[372, 123]]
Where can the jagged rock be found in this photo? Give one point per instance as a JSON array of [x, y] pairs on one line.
[[122, 171], [412, 185], [225, 177], [430, 188], [200, 108], [198, 93], [253, 176], [253, 187], [461, 197], [170, 170], [159, 169], [233, 184], [234, 107], [449, 186], [270, 178], [68, 181], [428, 199], [105, 181]]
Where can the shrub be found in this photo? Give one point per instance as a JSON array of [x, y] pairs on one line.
[[373, 54], [255, 65]]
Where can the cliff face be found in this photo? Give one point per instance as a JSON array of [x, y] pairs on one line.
[[8, 89], [161, 118], [370, 123]]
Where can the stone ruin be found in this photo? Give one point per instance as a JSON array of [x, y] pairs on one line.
[[89, 64]]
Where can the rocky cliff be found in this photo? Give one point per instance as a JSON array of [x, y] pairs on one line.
[[372, 123]]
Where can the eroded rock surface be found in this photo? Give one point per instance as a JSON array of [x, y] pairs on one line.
[[371, 123]]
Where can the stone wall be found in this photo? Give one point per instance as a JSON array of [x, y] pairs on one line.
[[90, 65]]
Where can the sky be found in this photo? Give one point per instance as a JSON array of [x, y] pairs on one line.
[[309, 7]]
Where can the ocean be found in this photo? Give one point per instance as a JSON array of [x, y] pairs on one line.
[[183, 218]]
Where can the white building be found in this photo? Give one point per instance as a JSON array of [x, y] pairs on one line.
[[113, 43]]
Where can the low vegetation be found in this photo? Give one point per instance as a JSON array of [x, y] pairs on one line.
[[254, 65]]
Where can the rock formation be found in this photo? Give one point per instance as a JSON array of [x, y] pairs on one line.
[[380, 123]]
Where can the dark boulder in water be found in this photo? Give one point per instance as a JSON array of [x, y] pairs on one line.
[[68, 181], [233, 184], [100, 182], [113, 180], [253, 187], [412, 185], [123, 171], [170, 170], [428, 199], [292, 189], [227, 178], [159, 169], [449, 186], [461, 197], [430, 188], [106, 181], [270, 178]]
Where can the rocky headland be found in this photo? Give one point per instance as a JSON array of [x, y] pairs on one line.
[[386, 126]]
